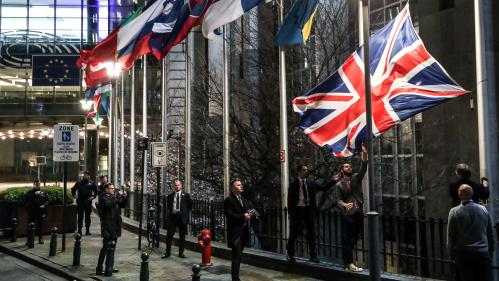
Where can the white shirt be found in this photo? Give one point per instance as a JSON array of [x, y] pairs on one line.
[[179, 194]]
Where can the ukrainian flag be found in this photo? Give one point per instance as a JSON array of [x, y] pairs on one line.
[[297, 25]]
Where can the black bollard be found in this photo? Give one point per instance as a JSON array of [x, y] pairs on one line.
[[144, 267], [195, 272], [77, 249], [30, 240], [53, 242], [13, 236]]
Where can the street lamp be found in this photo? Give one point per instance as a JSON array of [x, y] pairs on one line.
[[113, 71], [86, 105], [98, 122]]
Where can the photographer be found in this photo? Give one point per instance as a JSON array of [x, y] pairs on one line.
[[110, 204], [36, 203]]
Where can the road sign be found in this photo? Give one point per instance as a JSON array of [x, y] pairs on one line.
[[158, 154], [66, 143]]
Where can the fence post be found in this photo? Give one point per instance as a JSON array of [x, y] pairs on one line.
[[13, 237], [374, 264], [30, 240], [144, 267], [77, 250], [195, 272], [53, 242]]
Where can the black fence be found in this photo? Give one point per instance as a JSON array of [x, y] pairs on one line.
[[413, 246]]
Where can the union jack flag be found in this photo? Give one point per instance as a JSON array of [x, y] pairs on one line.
[[405, 80]]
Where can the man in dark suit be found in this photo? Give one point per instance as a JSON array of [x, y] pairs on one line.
[[36, 203], [480, 190], [178, 204], [238, 211], [85, 191], [302, 210]]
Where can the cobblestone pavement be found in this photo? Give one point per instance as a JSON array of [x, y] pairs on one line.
[[15, 269], [127, 260]]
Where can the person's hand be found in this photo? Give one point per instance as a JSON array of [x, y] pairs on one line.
[[38, 192], [364, 147], [76, 196], [42, 206], [247, 216], [349, 206], [337, 177]]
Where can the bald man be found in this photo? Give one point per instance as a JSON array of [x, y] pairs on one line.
[[470, 237]]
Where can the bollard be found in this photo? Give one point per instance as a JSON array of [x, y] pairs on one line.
[[144, 267], [195, 272], [13, 236], [77, 249], [30, 240], [53, 242]]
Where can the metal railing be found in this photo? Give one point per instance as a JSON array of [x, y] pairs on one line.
[[410, 245]]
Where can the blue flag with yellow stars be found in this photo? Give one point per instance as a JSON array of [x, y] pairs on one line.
[[55, 70], [297, 25]]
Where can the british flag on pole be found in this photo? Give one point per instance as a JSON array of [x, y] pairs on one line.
[[405, 80]]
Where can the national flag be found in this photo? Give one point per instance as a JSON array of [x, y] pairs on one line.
[[190, 15], [222, 12], [55, 70], [405, 80], [297, 25], [100, 96]]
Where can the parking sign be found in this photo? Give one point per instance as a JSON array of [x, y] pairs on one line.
[[66, 143]]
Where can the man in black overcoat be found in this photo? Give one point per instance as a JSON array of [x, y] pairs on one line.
[[84, 191], [110, 204], [238, 211], [36, 203], [178, 204], [302, 210]]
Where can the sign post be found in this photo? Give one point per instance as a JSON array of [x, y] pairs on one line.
[[158, 161], [66, 148]]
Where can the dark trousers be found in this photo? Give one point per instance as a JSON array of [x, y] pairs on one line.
[[237, 254], [107, 254], [352, 226], [84, 209], [302, 215], [37, 218], [473, 266], [174, 222]]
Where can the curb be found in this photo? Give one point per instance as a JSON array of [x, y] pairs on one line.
[[39, 263]]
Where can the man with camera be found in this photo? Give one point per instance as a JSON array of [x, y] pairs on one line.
[[84, 191], [350, 200], [110, 204], [36, 203], [239, 212]]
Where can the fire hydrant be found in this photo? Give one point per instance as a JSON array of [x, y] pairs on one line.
[[204, 240]]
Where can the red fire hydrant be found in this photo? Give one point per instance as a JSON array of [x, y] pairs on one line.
[[204, 240]]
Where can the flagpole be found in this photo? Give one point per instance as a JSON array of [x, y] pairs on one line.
[[372, 215], [283, 131], [110, 132], [188, 111], [115, 134], [164, 119], [122, 132], [144, 122], [132, 132], [226, 113]]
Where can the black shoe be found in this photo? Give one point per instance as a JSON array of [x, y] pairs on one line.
[[40, 241], [315, 260], [88, 233], [291, 259], [181, 256], [99, 272], [115, 270], [166, 255]]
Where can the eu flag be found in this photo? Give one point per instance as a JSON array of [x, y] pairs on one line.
[[55, 70]]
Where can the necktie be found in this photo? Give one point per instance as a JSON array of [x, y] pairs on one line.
[[177, 204], [240, 200], [305, 192]]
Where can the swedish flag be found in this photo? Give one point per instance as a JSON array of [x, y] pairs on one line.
[[297, 25]]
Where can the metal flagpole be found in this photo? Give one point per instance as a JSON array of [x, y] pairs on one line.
[[132, 132], [164, 119], [372, 215], [144, 121], [283, 130], [110, 132], [226, 113], [122, 132], [115, 138], [188, 111]]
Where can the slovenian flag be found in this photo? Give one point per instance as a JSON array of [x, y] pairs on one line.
[[225, 11], [297, 25]]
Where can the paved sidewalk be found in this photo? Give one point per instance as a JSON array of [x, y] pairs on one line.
[[127, 260]]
